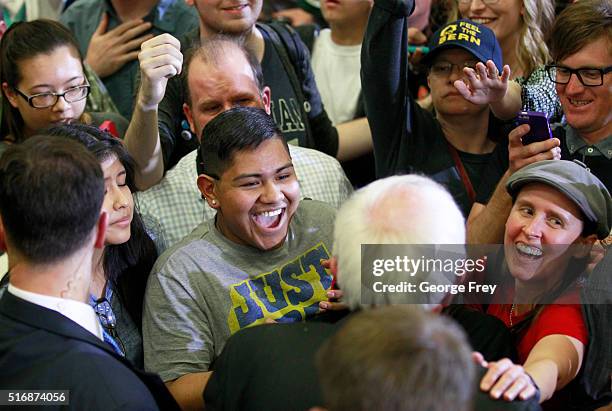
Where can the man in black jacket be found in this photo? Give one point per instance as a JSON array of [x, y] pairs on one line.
[[51, 193]]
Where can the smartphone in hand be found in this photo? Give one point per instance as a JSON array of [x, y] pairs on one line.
[[538, 125]]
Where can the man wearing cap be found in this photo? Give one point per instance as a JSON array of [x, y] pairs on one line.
[[559, 210], [580, 47], [452, 147]]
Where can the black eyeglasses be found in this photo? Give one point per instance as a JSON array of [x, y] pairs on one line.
[[46, 100], [589, 77], [445, 68]]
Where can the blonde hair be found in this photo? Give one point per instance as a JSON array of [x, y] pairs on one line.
[[531, 50], [537, 20]]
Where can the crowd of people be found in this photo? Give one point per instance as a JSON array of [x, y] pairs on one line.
[[190, 191]]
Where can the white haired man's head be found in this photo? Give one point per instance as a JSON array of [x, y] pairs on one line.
[[408, 209]]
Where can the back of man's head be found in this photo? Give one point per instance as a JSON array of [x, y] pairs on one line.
[[51, 193], [580, 24], [398, 358], [408, 209]]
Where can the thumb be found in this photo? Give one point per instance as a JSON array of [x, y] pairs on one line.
[[101, 29], [478, 358], [462, 88]]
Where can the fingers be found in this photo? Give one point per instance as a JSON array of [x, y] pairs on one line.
[[102, 26], [134, 31], [507, 379], [520, 383], [506, 72], [136, 44], [478, 359], [463, 89], [159, 51], [496, 369], [514, 137], [139, 26]]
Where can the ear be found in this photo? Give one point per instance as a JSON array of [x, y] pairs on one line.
[[266, 99], [101, 227], [10, 94], [207, 185], [187, 112], [583, 245]]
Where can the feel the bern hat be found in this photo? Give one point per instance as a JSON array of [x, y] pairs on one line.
[[475, 38], [573, 179]]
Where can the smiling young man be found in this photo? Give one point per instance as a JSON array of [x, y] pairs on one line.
[[581, 48], [257, 260]]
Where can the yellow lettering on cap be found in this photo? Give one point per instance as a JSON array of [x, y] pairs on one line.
[[463, 36], [475, 40], [448, 29]]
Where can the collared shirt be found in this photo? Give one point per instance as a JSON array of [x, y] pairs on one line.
[[175, 206], [575, 144], [79, 312], [168, 16]]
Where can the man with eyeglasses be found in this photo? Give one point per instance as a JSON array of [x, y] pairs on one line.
[[454, 146], [580, 47]]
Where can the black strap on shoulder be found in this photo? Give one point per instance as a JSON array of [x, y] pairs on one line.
[[284, 39]]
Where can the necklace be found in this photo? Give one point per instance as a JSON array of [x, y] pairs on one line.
[[512, 313]]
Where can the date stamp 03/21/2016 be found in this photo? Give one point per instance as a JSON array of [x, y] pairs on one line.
[[34, 397]]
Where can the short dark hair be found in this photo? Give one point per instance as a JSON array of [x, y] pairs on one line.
[[414, 359], [51, 193], [237, 129], [579, 24], [24, 40], [212, 51]]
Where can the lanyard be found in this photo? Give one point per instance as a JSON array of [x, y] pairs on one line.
[[465, 178]]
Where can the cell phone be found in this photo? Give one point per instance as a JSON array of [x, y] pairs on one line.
[[539, 128]]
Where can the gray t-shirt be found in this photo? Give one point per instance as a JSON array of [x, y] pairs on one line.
[[206, 287]]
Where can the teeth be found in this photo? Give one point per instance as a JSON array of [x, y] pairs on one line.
[[271, 213], [529, 250], [579, 102], [268, 218], [481, 21]]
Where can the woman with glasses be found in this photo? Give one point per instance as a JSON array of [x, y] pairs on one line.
[[43, 82], [122, 268]]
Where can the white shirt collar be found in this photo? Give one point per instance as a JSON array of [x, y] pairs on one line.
[[81, 313]]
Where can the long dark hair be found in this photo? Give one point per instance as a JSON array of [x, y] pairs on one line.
[[126, 266], [22, 41]]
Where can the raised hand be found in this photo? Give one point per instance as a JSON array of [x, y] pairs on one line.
[[160, 59], [484, 85], [520, 155], [109, 50], [507, 380]]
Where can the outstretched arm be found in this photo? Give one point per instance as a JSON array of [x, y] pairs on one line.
[[384, 75], [486, 223], [160, 58], [485, 85]]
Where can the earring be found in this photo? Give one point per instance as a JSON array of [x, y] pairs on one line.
[[213, 202]]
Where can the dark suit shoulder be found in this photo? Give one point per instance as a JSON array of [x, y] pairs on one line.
[[33, 358]]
